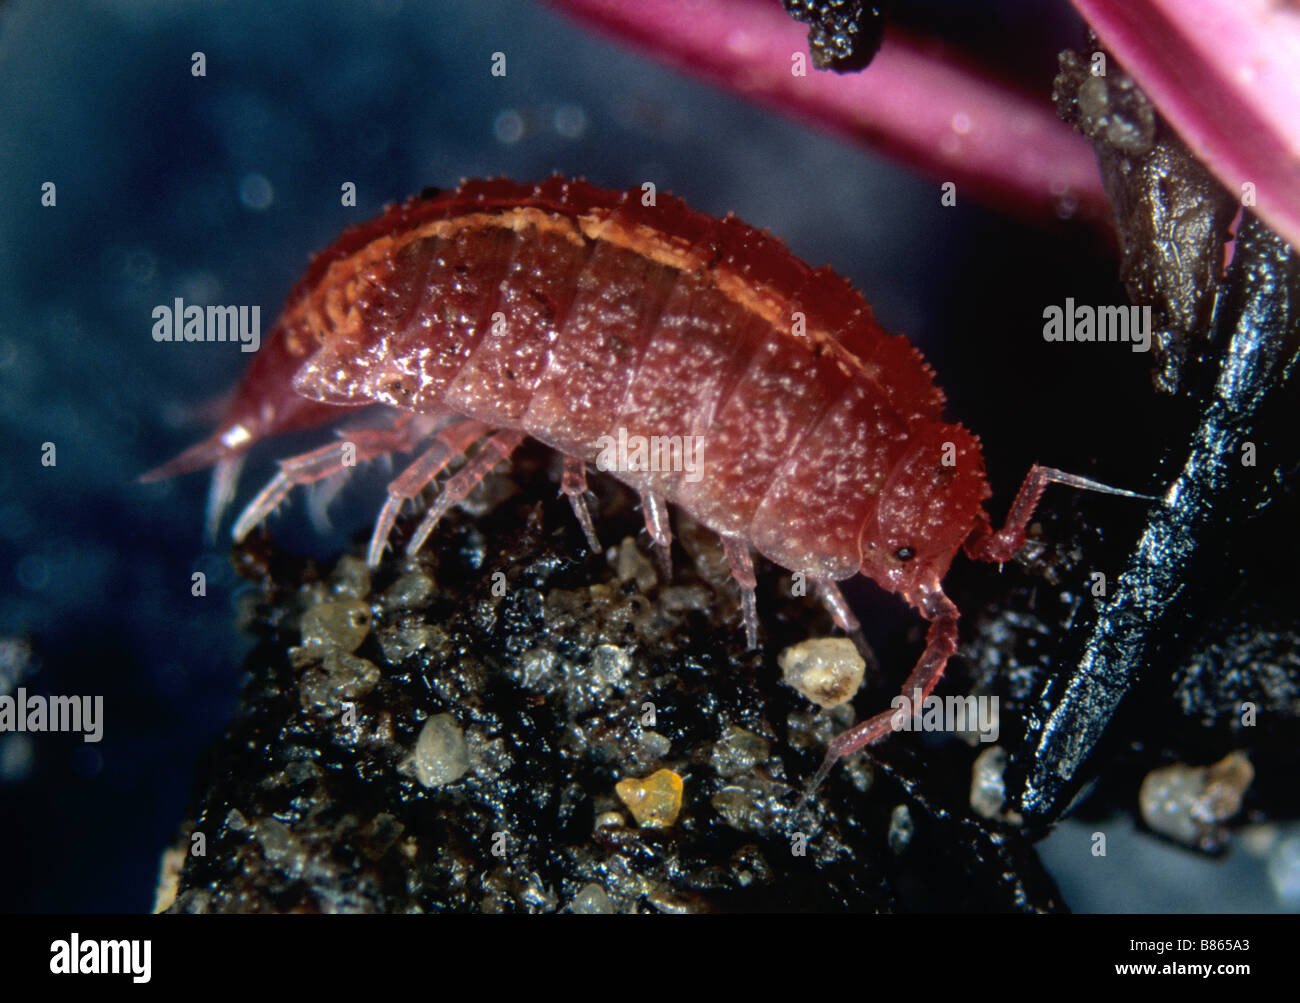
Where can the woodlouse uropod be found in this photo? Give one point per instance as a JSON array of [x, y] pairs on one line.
[[568, 313]]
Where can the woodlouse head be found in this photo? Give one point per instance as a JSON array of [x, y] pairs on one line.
[[927, 509]]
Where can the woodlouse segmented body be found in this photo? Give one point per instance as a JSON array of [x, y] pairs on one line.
[[571, 314]]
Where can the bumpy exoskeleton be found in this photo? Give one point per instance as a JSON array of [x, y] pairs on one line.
[[580, 316]]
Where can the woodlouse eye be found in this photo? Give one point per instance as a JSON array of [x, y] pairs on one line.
[[904, 553]]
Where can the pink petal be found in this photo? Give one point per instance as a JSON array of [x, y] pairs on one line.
[[917, 101], [1226, 74]]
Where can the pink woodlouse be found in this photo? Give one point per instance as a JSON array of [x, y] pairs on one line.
[[567, 313]]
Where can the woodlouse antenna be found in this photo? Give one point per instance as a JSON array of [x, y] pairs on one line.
[[1003, 545], [940, 645]]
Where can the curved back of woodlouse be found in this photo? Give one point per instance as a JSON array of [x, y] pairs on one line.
[[580, 317]]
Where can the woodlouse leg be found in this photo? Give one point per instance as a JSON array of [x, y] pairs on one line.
[[497, 448], [1001, 546], [309, 468], [320, 497], [450, 443], [574, 485], [659, 527], [742, 570], [940, 645], [833, 599], [409, 428]]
